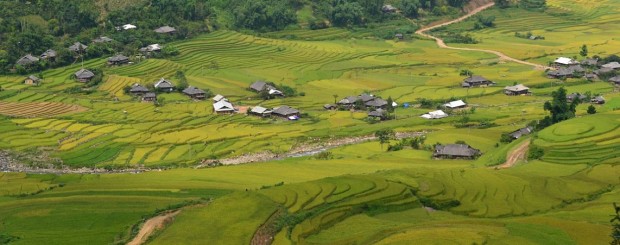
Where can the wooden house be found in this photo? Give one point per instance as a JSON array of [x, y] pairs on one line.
[[456, 151]]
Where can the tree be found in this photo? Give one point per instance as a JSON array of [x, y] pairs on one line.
[[335, 98], [347, 13], [615, 222], [584, 51], [390, 105], [502, 3], [591, 109], [466, 72], [536, 5], [559, 107], [385, 135], [410, 8]]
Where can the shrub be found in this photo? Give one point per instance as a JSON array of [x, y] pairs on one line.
[[325, 155], [591, 109], [535, 152]]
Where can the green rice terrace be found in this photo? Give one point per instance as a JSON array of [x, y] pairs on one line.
[[520, 161]]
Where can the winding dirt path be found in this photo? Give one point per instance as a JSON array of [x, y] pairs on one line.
[[442, 44], [515, 156], [152, 225]]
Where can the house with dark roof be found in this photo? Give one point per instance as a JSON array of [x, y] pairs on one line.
[[456, 151], [27, 60], [366, 98], [598, 100], [285, 111], [102, 40], [260, 86], [615, 80], [566, 72], [591, 77], [49, 54], [378, 113], [590, 62], [164, 85], [612, 65], [330, 106], [576, 96], [260, 111], [518, 89], [149, 97], [166, 30], [32, 80], [603, 71], [84, 75], [476, 81], [195, 93], [399, 36], [118, 60], [521, 132], [138, 89], [78, 47], [377, 103], [348, 101]]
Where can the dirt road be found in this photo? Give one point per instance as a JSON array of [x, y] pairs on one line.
[[442, 44], [515, 156], [152, 225]]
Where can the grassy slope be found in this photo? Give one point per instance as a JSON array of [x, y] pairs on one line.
[[507, 206], [566, 26]]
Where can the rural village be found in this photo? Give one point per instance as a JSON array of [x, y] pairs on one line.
[[310, 122]]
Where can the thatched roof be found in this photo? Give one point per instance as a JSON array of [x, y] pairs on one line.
[[137, 88], [84, 74], [27, 60], [163, 84], [285, 111], [193, 91], [50, 53], [77, 46], [456, 150], [118, 58]]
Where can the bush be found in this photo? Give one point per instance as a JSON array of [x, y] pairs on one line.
[[325, 155], [535, 152], [591, 109]]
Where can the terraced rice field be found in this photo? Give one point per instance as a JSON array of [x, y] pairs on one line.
[[38, 109]]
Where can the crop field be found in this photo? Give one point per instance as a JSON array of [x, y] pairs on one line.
[[566, 25], [359, 193]]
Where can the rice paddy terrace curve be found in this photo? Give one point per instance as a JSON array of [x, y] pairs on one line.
[[442, 44]]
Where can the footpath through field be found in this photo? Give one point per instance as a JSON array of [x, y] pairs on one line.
[[442, 44], [152, 225], [515, 156]]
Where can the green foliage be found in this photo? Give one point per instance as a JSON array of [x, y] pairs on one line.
[[466, 73], [264, 15], [535, 152], [410, 8], [591, 109], [385, 135], [583, 51], [484, 22], [615, 223], [502, 3], [506, 138], [324, 155], [534, 5], [7, 239], [559, 108]]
